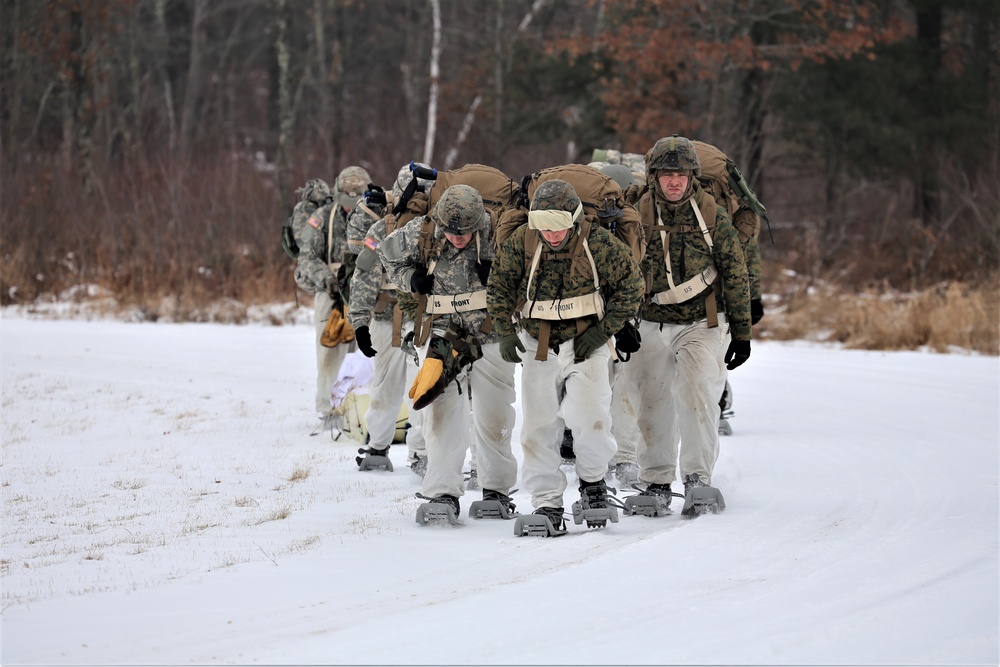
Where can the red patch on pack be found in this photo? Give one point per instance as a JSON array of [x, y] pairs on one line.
[[314, 221], [370, 243]]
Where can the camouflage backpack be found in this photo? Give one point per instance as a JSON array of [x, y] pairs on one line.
[[315, 194], [602, 198]]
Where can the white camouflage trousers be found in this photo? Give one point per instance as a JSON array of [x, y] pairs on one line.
[[580, 393], [674, 381], [389, 389], [624, 425], [328, 359], [447, 428]]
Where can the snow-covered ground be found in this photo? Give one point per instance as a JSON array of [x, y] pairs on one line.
[[163, 502]]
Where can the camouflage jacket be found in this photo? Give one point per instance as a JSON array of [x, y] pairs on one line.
[[366, 283], [454, 272], [621, 284], [314, 273], [689, 256], [752, 255]]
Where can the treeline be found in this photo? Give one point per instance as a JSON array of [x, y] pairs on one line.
[[153, 147]]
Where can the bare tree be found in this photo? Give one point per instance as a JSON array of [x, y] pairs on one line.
[[433, 83], [195, 76]]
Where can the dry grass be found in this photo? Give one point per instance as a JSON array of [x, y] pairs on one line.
[[942, 318]]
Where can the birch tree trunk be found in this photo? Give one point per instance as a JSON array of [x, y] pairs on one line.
[[433, 83], [286, 123]]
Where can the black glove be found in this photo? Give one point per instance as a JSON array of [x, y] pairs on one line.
[[756, 311], [333, 290], [375, 196], [364, 340], [483, 269], [738, 352], [420, 282], [627, 340]]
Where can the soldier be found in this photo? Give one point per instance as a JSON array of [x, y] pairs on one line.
[[697, 293], [445, 258], [571, 290], [380, 324], [321, 272]]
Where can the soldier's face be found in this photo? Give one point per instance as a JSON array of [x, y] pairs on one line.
[[673, 184], [554, 238], [458, 240]]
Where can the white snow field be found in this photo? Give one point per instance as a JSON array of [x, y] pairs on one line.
[[163, 503]]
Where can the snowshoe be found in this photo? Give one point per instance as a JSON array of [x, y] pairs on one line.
[[594, 506], [329, 422], [494, 505], [373, 459], [544, 522], [440, 509], [726, 410], [699, 498], [566, 448], [418, 464], [472, 480], [652, 501], [627, 474]]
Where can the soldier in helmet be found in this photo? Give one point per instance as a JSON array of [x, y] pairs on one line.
[[697, 292], [380, 323], [444, 259], [571, 286], [321, 272]]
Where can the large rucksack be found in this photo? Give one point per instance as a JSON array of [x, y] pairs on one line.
[[315, 194], [721, 177], [602, 198], [498, 190]]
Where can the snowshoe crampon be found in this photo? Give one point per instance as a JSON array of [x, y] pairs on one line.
[[595, 518], [373, 459], [545, 522], [724, 427], [439, 510], [652, 501], [702, 500], [494, 505]]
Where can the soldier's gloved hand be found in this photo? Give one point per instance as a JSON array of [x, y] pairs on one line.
[[333, 290], [627, 340], [756, 311], [509, 345], [483, 270], [738, 352], [364, 340], [420, 282], [590, 340]]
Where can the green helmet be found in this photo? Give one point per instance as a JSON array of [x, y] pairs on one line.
[[317, 191], [555, 195], [618, 172], [459, 211], [673, 153], [351, 184]]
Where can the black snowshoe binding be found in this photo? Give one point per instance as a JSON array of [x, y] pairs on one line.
[[652, 501], [373, 459], [494, 505], [544, 522], [594, 506], [566, 448], [699, 498], [443, 509]]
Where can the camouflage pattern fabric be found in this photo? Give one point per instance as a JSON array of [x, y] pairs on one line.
[[313, 273], [460, 211], [673, 153], [365, 284], [751, 253], [689, 256], [622, 284], [315, 193], [454, 272], [351, 184]]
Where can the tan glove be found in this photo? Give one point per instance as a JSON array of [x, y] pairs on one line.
[[337, 330]]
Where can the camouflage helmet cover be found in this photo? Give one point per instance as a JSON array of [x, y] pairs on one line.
[[673, 153], [555, 195], [404, 177], [351, 184], [459, 211], [317, 191]]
